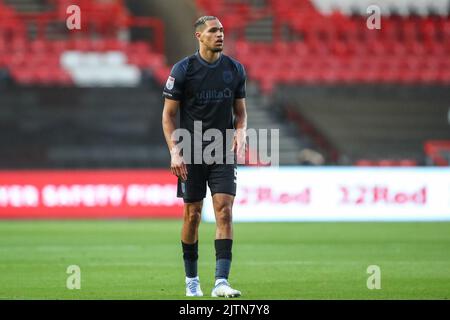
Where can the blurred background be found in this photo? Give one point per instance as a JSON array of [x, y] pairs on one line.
[[340, 93], [91, 98], [363, 118]]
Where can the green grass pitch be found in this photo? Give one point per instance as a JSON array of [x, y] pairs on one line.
[[141, 259]]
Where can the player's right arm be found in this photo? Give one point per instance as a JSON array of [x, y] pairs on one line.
[[169, 119], [173, 94]]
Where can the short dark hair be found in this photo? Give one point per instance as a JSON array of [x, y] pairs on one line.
[[202, 20]]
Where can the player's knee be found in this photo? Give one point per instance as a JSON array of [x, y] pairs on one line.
[[223, 215], [193, 216]]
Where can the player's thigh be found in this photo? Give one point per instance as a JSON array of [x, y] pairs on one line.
[[222, 179]]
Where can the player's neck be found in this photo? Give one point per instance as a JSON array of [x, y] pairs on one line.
[[208, 55]]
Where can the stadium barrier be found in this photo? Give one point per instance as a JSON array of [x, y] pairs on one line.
[[89, 194], [340, 194], [264, 194]]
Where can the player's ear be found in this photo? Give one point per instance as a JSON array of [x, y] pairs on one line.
[[198, 35]]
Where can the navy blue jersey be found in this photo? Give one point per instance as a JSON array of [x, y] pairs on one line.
[[206, 91]]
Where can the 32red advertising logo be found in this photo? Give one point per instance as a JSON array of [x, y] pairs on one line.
[[362, 195], [268, 195]]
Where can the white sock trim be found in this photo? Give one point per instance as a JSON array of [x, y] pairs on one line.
[[190, 279], [220, 280]]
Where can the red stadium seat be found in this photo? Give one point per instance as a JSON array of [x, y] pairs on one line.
[[18, 45], [115, 45], [444, 77], [146, 60], [365, 163], [161, 74], [42, 75], [387, 163], [267, 86], [139, 47], [57, 46], [326, 49], [38, 47], [23, 76], [80, 44], [434, 48], [407, 163], [398, 53]]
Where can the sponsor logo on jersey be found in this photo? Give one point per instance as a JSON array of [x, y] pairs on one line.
[[214, 95]]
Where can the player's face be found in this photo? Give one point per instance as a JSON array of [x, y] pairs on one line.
[[212, 36]]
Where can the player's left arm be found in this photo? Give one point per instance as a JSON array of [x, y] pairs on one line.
[[240, 125]]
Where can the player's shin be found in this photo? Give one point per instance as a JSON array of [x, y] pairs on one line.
[[223, 258], [190, 257]]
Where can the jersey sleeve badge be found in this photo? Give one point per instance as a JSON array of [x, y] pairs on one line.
[[170, 83]]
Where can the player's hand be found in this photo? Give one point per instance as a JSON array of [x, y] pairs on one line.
[[239, 143], [177, 165]]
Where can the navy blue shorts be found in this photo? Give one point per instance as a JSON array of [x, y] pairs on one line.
[[221, 178]]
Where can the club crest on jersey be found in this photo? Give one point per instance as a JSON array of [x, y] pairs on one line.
[[170, 82], [227, 76]]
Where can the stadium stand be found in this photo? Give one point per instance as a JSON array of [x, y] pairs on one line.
[[338, 48], [375, 122], [309, 46], [51, 54], [81, 128], [438, 152], [388, 7], [315, 71], [79, 99]]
